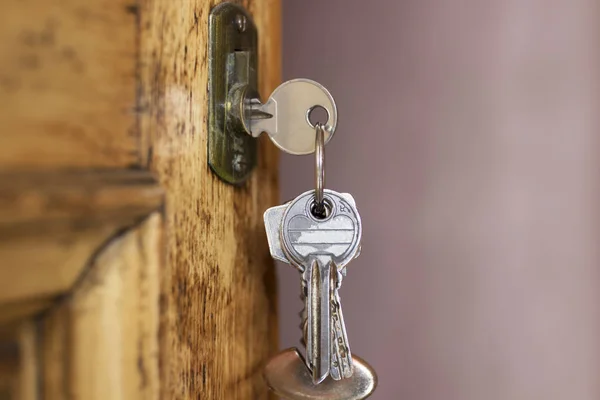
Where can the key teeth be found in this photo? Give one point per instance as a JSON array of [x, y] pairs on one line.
[[303, 314], [302, 326]]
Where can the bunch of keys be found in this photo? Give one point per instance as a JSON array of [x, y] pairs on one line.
[[319, 233]]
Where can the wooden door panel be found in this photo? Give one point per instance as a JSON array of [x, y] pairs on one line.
[[127, 269], [101, 341], [51, 223], [220, 293], [68, 84]]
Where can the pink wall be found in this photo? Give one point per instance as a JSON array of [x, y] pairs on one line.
[[469, 137]]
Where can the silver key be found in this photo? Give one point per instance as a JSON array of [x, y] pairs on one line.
[[320, 249], [285, 115], [328, 244]]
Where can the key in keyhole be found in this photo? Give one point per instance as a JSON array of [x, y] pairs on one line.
[[287, 116]]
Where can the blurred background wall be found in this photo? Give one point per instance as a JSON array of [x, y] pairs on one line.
[[468, 136]]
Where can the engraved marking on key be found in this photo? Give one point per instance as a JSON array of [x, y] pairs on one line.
[[285, 115]]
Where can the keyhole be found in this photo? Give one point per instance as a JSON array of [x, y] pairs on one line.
[[317, 115]]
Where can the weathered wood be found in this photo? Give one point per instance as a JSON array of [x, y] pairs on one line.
[[28, 362], [103, 308], [101, 341], [19, 366], [218, 284], [67, 84], [51, 224], [17, 311], [87, 196], [10, 373]]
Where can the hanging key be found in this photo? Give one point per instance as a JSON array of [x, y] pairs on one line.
[[320, 247], [319, 233], [285, 116], [328, 242]]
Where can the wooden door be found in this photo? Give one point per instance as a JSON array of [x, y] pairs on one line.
[[127, 269]]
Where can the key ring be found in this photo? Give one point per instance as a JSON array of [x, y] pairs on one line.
[[319, 168]]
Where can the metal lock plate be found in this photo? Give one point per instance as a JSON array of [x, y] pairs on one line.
[[232, 75]]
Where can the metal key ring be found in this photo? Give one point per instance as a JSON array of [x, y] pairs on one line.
[[319, 164]]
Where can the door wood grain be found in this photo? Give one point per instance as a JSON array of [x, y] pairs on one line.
[[127, 269], [219, 287]]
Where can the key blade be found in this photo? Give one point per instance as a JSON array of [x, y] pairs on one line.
[[319, 339], [273, 217], [263, 118]]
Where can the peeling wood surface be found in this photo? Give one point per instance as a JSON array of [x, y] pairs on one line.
[[219, 284]]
